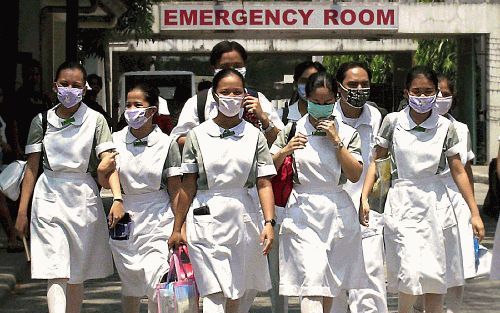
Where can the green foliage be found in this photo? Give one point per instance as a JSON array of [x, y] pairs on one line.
[[440, 54], [380, 64]]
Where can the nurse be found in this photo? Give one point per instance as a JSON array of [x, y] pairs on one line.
[[227, 235], [421, 236], [149, 166], [68, 225], [320, 240]]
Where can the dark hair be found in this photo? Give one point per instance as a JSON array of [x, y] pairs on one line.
[[71, 65], [421, 70], [226, 73], [96, 77], [303, 66], [321, 79], [451, 84], [151, 93], [226, 46], [204, 84], [344, 67]]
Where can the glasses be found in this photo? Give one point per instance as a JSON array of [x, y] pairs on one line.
[[424, 91]]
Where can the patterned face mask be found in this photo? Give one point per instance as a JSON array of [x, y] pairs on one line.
[[69, 97], [421, 104], [356, 97]]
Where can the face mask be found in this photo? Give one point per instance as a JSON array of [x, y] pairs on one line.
[[241, 70], [229, 106], [301, 90], [69, 97], [443, 104], [319, 111], [421, 104], [136, 118], [356, 97]]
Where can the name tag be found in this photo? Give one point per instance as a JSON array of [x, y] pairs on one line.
[[139, 143], [319, 133]]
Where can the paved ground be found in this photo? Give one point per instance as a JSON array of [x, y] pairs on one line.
[[103, 296]]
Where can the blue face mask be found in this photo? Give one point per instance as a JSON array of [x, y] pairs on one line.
[[319, 111], [301, 90]]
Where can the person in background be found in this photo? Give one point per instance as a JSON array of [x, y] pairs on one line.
[[228, 235], [495, 263], [204, 84], [162, 118], [90, 98], [353, 79], [224, 55], [149, 166], [68, 225], [29, 97], [420, 232], [297, 105], [320, 243]]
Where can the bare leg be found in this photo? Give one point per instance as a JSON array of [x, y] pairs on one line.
[[131, 304], [327, 304], [56, 295], [433, 303], [453, 299], [311, 304], [232, 305], [74, 298], [406, 302], [418, 307]]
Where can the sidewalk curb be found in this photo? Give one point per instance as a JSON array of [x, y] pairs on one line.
[[481, 179], [13, 267]]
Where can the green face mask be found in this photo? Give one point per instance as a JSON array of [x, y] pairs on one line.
[[319, 111]]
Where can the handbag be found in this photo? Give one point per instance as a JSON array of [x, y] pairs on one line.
[[179, 293], [378, 195], [282, 182], [11, 178], [483, 258]]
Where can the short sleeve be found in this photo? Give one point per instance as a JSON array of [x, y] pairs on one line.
[[189, 153], [265, 165], [35, 136], [280, 141], [173, 162], [103, 139], [188, 119], [354, 147], [470, 153], [386, 131], [272, 114], [451, 142]]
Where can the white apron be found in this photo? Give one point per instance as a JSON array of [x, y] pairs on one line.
[[423, 252], [142, 260], [68, 224], [461, 208], [225, 246], [495, 261], [320, 236]]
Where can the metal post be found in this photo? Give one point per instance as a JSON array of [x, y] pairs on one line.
[[71, 30]]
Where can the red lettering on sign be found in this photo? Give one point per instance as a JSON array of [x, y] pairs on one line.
[[275, 17], [191, 19], [256, 17], [169, 17], [287, 20], [221, 16], [344, 18], [366, 17], [206, 17], [305, 16], [330, 16], [239, 17], [385, 18]]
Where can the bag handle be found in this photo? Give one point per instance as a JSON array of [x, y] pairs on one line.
[[176, 264]]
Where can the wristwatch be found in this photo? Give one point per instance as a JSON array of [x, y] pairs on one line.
[[339, 145], [118, 199], [271, 221], [269, 127]]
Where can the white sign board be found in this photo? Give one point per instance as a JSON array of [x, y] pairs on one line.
[[278, 16]]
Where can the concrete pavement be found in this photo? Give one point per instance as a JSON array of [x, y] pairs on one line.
[[18, 293]]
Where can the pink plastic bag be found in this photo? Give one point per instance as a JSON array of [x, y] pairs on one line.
[[179, 294]]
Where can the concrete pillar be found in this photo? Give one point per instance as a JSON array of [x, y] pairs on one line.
[[493, 91]]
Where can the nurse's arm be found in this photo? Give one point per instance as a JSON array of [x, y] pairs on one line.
[[181, 141], [470, 175], [28, 185], [460, 177], [266, 197], [106, 166], [371, 176], [185, 196]]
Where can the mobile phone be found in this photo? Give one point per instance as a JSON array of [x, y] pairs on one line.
[[203, 210], [121, 231]]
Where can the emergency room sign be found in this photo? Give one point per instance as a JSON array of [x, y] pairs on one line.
[[278, 15]]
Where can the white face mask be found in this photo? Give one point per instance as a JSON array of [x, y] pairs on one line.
[[229, 106], [443, 104], [241, 70]]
